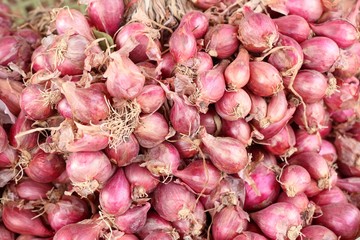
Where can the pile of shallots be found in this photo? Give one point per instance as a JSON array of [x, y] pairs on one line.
[[239, 121]]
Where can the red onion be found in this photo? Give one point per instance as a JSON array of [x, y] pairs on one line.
[[133, 219], [329, 196], [237, 74], [167, 65], [235, 220], [66, 53], [10, 92], [221, 40], [205, 62], [162, 160], [125, 152], [18, 141], [343, 115], [294, 179], [15, 50], [200, 176], [142, 182], [196, 65], [154, 223], [347, 64], [185, 119], [261, 186], [265, 79], [348, 150], [75, 137], [197, 22], [276, 109], [300, 200], [328, 151], [37, 102], [124, 78], [318, 232], [173, 202], [326, 126], [306, 142], [64, 109], [23, 221], [257, 32], [192, 227], [312, 189], [6, 234], [320, 53], [311, 10], [210, 87], [339, 30], [87, 171], [238, 129], [258, 107], [31, 36], [227, 154], [342, 218], [151, 98], [115, 196], [229, 192], [68, 210], [182, 44], [316, 165], [273, 128], [248, 235], [308, 9], [79, 231], [152, 130], [30, 190], [211, 121], [159, 235], [140, 40], [87, 105], [312, 118], [8, 157], [234, 105], [351, 184], [293, 26], [69, 21], [105, 19], [39, 59], [346, 94], [283, 143], [186, 146], [279, 221], [311, 85], [288, 57], [205, 4], [44, 167]]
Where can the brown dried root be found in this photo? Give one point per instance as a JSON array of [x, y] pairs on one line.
[[84, 188], [23, 162], [51, 97], [164, 12], [123, 119], [40, 20]]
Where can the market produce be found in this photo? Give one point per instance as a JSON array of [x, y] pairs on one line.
[[220, 120]]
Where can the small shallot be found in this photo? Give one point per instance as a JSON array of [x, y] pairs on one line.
[[257, 32], [279, 221], [115, 196], [227, 154]]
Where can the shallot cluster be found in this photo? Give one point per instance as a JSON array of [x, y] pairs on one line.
[[199, 120]]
